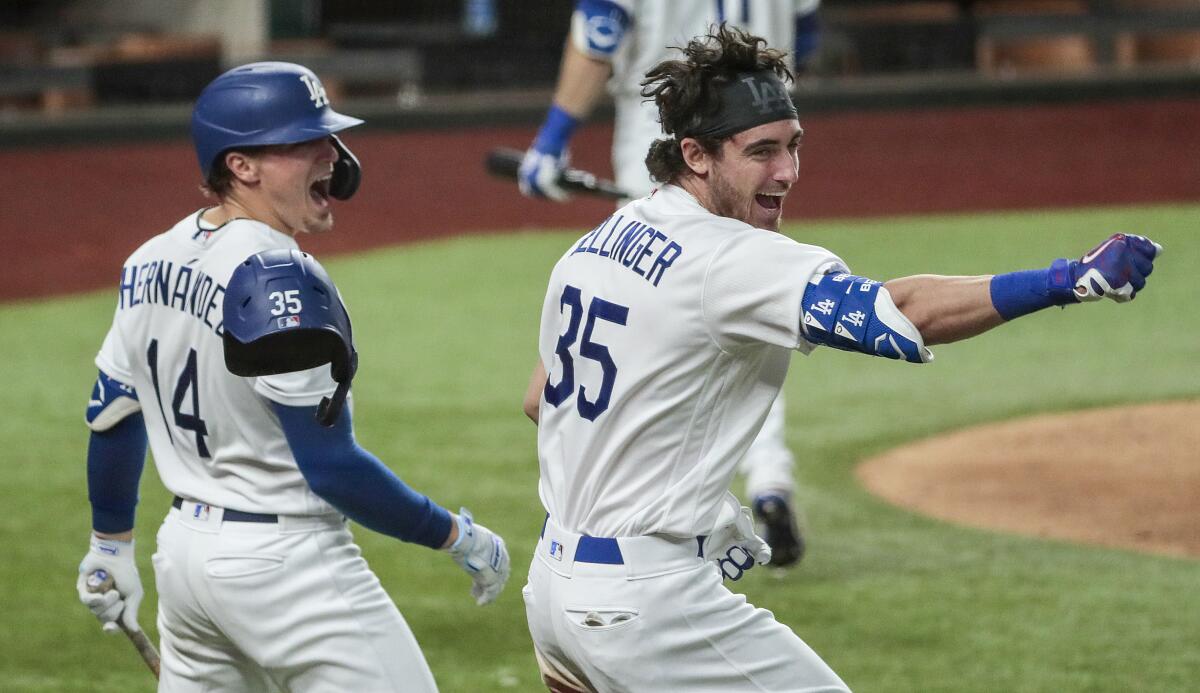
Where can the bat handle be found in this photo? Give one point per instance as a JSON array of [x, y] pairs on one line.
[[100, 581], [145, 648]]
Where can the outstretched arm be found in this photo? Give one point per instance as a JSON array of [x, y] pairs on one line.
[[900, 318], [945, 309]]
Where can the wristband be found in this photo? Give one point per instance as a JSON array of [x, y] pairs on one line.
[[1020, 293], [556, 131]]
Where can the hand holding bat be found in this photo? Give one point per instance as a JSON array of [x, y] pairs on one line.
[[100, 582], [505, 162]]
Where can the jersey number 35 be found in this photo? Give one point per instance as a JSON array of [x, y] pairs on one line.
[[598, 309]]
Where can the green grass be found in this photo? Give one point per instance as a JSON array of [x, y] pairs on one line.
[[893, 601]]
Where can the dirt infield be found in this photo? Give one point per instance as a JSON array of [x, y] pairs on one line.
[[72, 214], [1125, 477]]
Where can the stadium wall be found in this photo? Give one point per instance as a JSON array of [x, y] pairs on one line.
[[72, 212]]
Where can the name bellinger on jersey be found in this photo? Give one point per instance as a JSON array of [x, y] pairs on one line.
[[631, 246]]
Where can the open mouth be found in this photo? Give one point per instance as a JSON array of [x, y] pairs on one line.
[[319, 191], [771, 201]]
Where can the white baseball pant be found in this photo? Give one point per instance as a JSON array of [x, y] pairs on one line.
[[289, 605], [660, 620]]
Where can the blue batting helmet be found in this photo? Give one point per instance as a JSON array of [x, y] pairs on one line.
[[282, 313], [260, 104]]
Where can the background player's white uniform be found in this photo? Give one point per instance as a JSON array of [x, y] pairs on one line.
[[666, 334], [656, 27], [288, 593]]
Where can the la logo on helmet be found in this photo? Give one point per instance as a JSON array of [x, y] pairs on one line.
[[316, 92]]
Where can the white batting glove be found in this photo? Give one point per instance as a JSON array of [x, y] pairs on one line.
[[733, 544], [482, 554], [538, 175], [118, 606]]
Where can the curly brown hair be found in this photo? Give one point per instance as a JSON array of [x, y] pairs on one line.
[[685, 91]]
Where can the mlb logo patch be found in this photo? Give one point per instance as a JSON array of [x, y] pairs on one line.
[[556, 550], [289, 321], [200, 512]]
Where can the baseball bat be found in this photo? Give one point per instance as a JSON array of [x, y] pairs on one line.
[[506, 162], [100, 581]]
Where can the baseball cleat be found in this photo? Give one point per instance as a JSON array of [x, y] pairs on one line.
[[774, 514]]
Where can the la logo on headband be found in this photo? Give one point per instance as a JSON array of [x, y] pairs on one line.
[[765, 94]]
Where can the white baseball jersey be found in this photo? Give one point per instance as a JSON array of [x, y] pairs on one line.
[[213, 434], [659, 25], [666, 334]]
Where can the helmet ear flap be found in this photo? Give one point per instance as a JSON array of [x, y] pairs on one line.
[[347, 172]]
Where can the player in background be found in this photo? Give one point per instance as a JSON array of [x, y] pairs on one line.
[[614, 43], [260, 583], [666, 333]]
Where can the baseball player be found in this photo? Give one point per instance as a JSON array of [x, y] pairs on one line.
[[616, 42], [666, 333], [260, 583]]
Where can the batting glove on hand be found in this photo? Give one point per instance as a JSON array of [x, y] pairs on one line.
[[735, 547], [119, 606], [482, 554], [539, 174], [1116, 269]]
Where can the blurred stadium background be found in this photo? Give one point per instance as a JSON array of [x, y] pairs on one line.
[[937, 105], [981, 116]]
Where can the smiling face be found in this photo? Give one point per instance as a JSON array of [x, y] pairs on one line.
[[285, 186], [751, 174]]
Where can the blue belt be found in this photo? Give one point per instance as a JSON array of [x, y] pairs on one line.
[[605, 550], [236, 515]]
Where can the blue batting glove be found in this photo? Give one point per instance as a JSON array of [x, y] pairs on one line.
[[1116, 269], [547, 157], [539, 173]]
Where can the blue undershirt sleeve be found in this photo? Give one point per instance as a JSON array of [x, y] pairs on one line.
[[355, 482], [114, 468]]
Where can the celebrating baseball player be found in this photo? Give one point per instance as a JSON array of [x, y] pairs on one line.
[[260, 583], [666, 334], [616, 42]]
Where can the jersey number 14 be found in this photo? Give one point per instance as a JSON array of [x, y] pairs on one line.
[[187, 381], [598, 309]]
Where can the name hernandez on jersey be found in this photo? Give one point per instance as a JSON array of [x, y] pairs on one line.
[[172, 285]]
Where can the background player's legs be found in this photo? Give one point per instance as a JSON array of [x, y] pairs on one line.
[[634, 129], [770, 485]]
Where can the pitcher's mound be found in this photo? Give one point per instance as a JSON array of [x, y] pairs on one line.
[[1127, 477]]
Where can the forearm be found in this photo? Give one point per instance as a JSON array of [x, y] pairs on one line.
[[533, 393], [355, 482], [114, 469], [581, 82], [945, 309]]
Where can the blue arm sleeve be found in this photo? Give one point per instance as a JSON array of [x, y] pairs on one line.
[[1021, 293], [114, 468], [356, 483]]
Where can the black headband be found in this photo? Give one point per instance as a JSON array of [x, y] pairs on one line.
[[748, 100]]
